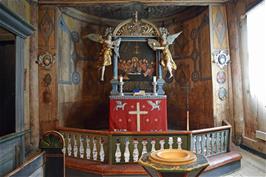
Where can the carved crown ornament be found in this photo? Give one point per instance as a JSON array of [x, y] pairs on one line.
[[46, 60], [136, 27]]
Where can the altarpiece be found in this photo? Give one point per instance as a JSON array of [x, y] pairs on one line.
[[138, 50]]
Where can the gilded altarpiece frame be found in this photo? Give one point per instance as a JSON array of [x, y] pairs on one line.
[[137, 63]]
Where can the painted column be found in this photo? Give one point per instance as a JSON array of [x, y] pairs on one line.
[[114, 81], [222, 92], [160, 81], [47, 76]]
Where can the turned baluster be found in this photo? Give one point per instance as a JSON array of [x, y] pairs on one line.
[[162, 144], [222, 141], [179, 143], [118, 153], [144, 147], [170, 142], [208, 145], [202, 144], [135, 151], [127, 153], [213, 144], [75, 149], [226, 139], [81, 147], [94, 149], [102, 154], [153, 142], [88, 147]]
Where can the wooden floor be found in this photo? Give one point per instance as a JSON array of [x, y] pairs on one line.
[[251, 166]]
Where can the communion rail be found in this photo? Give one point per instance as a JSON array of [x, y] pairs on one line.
[[126, 147]]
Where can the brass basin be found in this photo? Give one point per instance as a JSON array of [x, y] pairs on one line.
[[173, 157]]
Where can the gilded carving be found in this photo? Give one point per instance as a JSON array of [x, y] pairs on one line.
[[136, 27]]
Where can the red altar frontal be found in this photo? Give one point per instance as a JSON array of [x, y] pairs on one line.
[[138, 113]]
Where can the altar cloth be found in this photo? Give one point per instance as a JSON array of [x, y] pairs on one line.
[[138, 113]]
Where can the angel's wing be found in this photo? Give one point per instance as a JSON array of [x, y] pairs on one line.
[[154, 44], [171, 38], [95, 37], [116, 46]]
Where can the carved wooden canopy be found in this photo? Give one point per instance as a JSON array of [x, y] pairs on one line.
[[136, 27]]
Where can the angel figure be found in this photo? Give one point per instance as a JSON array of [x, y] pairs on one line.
[[166, 40], [107, 46]]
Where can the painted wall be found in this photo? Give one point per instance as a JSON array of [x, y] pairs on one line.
[[82, 98]]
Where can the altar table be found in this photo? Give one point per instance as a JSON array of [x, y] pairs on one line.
[[138, 113]]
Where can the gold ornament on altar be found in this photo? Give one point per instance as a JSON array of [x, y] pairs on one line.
[[164, 43], [108, 45]]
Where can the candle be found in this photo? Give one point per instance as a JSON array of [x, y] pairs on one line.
[[179, 140], [154, 78], [121, 79]]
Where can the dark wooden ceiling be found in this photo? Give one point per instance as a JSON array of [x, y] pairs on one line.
[[150, 2], [126, 11]]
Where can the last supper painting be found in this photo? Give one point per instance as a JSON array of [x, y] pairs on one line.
[[137, 61], [116, 88]]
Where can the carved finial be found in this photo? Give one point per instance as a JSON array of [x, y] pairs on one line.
[[136, 16]]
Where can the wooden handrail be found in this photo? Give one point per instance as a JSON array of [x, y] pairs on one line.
[[225, 124], [78, 130], [206, 130], [106, 132]]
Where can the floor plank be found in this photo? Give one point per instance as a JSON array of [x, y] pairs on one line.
[[251, 166]]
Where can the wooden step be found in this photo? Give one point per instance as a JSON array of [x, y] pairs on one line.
[[219, 164]]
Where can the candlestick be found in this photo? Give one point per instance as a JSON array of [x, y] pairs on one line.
[[154, 78], [154, 83], [121, 83]]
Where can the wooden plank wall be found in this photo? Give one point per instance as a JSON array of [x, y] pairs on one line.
[[191, 53], [245, 117]]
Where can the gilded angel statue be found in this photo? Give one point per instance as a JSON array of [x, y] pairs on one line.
[[107, 49], [166, 40]]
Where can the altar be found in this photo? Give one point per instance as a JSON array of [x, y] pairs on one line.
[[138, 113], [139, 53]]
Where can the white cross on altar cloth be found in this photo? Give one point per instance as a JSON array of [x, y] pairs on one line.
[[138, 113]]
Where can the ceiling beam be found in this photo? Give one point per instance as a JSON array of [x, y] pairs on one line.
[[148, 2]]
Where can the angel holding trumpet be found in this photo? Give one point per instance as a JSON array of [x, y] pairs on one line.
[[166, 40], [108, 45]]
